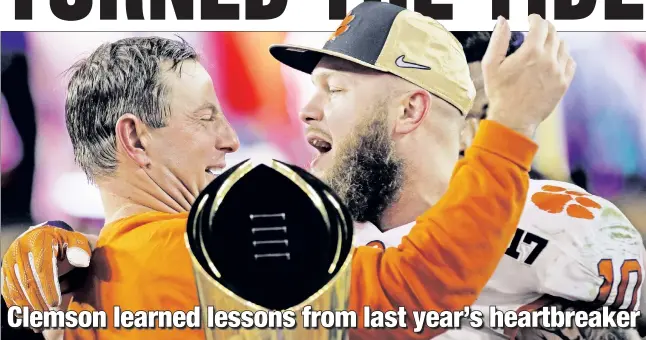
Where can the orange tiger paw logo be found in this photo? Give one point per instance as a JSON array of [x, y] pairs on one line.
[[345, 25], [555, 200]]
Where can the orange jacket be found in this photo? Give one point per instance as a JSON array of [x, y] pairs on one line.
[[141, 262]]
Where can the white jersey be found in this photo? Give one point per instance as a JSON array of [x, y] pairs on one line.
[[568, 244]]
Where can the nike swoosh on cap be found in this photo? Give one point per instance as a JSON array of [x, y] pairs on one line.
[[405, 64], [391, 38]]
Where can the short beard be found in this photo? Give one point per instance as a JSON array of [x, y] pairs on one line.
[[367, 175]]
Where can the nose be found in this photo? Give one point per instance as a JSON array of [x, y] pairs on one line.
[[228, 141], [312, 111]]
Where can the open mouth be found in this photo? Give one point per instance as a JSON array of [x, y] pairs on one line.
[[321, 145], [214, 171]]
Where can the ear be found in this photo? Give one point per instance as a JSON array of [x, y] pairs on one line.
[[130, 132], [416, 106]]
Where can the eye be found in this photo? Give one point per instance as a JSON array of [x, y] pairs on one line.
[[210, 117], [334, 90]]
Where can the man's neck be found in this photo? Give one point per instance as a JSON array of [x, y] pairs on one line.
[[125, 196], [417, 195]]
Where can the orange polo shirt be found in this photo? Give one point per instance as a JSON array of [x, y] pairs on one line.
[[141, 262]]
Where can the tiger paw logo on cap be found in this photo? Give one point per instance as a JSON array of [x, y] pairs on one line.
[[343, 27], [393, 39]]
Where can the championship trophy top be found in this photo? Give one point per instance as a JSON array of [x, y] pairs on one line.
[[267, 235]]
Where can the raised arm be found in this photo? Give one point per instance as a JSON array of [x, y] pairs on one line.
[[454, 248]]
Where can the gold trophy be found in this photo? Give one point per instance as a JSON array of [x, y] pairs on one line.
[[268, 236]]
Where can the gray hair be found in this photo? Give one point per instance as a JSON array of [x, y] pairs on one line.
[[118, 78]]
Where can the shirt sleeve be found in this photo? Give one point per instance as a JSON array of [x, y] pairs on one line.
[[455, 246]]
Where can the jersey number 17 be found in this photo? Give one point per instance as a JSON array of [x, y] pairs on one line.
[[527, 238]]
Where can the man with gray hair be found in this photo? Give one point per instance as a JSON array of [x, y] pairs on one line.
[[148, 130]]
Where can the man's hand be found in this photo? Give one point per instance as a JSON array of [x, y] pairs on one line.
[[34, 261], [525, 87]]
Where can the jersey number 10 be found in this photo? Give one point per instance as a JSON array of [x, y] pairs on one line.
[[606, 271], [605, 267]]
